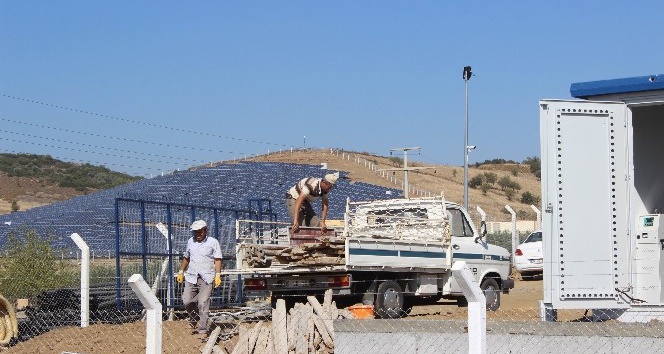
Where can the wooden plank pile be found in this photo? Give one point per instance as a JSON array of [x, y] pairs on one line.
[[324, 251], [327, 251], [306, 328]]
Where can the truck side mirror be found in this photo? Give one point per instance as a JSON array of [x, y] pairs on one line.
[[482, 231]]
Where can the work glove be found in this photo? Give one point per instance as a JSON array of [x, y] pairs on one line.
[[180, 277], [217, 280]]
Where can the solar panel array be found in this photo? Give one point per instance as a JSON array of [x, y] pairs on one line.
[[229, 186]]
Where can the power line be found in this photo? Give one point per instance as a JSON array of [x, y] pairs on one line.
[[79, 160], [116, 138], [85, 151], [137, 122], [101, 147]]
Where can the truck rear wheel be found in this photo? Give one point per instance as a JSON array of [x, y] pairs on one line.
[[389, 300], [492, 293]]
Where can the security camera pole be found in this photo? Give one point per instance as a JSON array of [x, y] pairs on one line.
[[467, 73]]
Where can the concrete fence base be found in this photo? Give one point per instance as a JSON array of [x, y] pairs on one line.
[[423, 336]]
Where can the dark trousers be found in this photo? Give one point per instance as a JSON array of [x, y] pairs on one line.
[[308, 216]]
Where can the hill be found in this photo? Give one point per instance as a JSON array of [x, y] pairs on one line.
[[437, 179], [33, 180]]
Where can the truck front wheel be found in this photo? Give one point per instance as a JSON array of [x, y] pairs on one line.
[[492, 293], [389, 300]]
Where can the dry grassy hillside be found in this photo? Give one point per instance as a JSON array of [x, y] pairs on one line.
[[448, 179], [30, 192]]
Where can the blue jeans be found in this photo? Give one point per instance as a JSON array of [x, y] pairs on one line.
[[196, 299]]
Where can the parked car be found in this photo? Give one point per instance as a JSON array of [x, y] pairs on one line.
[[528, 255]]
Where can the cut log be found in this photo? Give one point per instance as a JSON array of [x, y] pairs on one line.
[[316, 306], [212, 340], [219, 350], [254, 337], [241, 347], [324, 333], [279, 328], [263, 339]]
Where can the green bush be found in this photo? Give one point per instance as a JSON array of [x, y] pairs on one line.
[[29, 266], [535, 165], [529, 198], [15, 206], [485, 188], [504, 238], [475, 181], [490, 177], [396, 160]]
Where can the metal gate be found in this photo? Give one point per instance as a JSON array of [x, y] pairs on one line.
[[151, 237]]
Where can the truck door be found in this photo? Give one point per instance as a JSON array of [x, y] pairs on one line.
[[585, 187], [463, 241]]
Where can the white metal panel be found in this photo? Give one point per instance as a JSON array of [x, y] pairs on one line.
[[584, 189]]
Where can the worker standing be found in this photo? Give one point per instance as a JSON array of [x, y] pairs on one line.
[[305, 192], [200, 270]]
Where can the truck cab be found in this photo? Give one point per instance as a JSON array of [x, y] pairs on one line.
[[426, 236]]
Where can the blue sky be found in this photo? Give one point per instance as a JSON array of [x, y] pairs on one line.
[[151, 87]]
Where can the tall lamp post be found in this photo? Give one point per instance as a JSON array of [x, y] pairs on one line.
[[467, 73]]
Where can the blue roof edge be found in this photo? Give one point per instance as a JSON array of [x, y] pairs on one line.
[[605, 87]]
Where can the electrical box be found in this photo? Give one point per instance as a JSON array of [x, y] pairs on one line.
[[649, 259], [585, 198], [602, 195]]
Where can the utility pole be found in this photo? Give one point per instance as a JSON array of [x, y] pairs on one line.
[[467, 73], [405, 168]]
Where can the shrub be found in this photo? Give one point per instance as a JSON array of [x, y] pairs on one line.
[[535, 165], [30, 266], [475, 181], [509, 193], [396, 160], [529, 198], [490, 177]]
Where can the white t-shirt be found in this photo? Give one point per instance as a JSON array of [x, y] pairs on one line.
[[201, 259]]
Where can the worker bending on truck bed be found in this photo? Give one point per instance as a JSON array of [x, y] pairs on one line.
[[200, 270], [305, 192]]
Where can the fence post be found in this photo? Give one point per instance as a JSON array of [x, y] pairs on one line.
[[515, 239], [476, 307], [85, 278], [539, 216], [153, 316], [163, 229]]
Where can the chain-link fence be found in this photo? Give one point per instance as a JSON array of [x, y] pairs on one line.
[[50, 323], [383, 284]]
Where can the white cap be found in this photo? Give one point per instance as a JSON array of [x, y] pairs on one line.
[[197, 225], [332, 177]]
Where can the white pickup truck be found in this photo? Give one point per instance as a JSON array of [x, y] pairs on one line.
[[390, 253]]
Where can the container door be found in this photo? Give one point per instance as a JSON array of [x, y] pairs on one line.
[[585, 203]]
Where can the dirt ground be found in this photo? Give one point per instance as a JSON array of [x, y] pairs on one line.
[[520, 305]]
